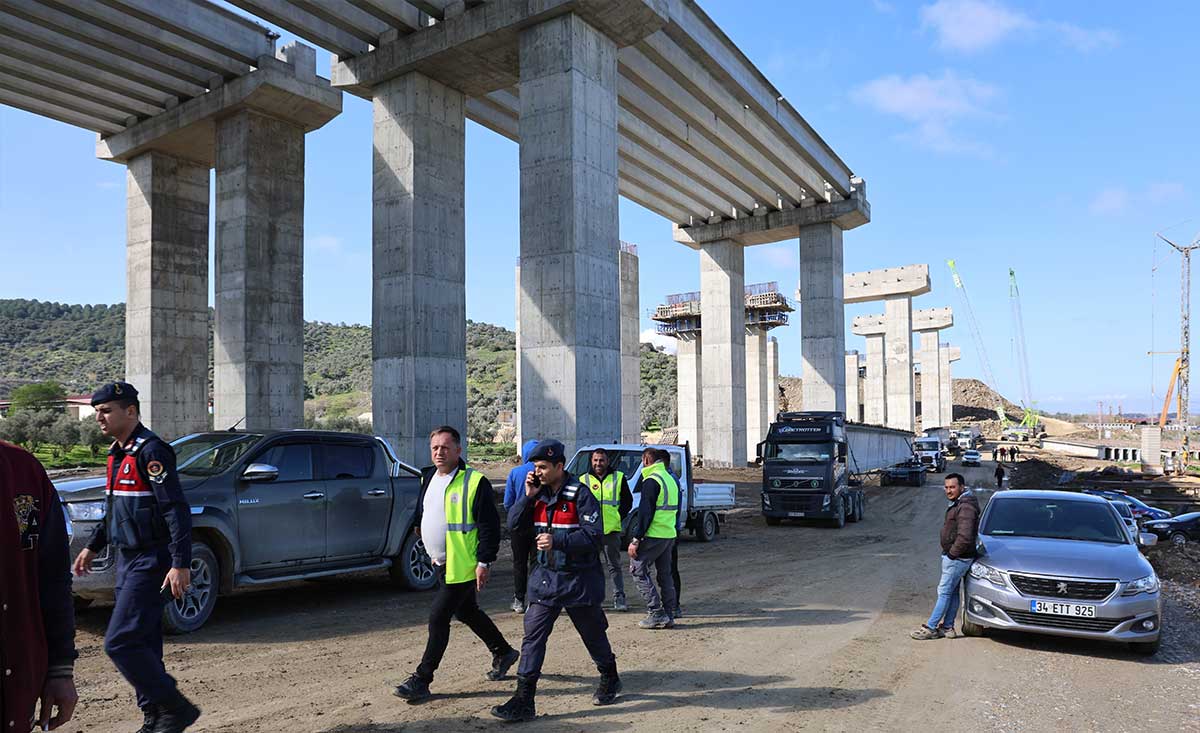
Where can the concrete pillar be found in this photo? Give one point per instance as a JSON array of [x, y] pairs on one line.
[[931, 382], [723, 313], [948, 355], [874, 390], [570, 327], [1151, 449], [756, 389], [822, 318], [258, 356], [772, 380], [852, 406], [689, 378], [166, 307], [898, 380], [418, 243], [517, 371], [631, 366]]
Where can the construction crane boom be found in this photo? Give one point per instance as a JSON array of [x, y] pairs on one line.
[[977, 339], [1030, 417], [1184, 366]]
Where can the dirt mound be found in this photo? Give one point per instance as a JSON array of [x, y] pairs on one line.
[[1180, 564]]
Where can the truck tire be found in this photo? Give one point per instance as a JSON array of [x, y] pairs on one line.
[[772, 521], [839, 519], [862, 506], [412, 568], [852, 514], [189, 613], [707, 530]]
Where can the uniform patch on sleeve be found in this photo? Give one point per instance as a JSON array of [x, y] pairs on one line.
[[591, 518], [156, 471]]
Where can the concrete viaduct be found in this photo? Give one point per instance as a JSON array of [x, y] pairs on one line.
[[646, 99]]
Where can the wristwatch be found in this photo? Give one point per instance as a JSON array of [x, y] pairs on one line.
[[634, 541], [484, 565]]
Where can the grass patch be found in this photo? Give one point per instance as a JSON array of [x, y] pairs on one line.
[[78, 457], [492, 452]]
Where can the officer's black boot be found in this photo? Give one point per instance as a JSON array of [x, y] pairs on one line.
[[414, 689], [520, 707], [610, 686], [149, 718], [175, 714]]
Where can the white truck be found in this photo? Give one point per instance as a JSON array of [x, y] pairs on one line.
[[930, 451], [702, 505]]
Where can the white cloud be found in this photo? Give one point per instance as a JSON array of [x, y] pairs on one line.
[[883, 7], [651, 336], [934, 105], [324, 244], [1116, 200], [968, 26]]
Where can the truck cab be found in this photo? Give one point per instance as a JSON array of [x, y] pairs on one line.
[[931, 452], [805, 474]]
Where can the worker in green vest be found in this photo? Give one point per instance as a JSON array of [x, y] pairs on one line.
[[653, 540], [612, 490], [457, 521]]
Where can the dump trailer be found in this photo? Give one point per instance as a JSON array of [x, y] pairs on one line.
[[805, 475]]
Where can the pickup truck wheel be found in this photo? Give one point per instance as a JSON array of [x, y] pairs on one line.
[[707, 530], [412, 568], [189, 613], [772, 521]]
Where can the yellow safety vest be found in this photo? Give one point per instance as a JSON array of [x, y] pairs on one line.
[[608, 493], [462, 537], [667, 510]]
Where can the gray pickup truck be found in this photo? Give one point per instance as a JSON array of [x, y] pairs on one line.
[[270, 508]]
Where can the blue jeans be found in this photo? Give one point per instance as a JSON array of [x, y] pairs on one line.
[[946, 607]]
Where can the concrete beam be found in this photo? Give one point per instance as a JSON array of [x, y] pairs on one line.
[[399, 14], [933, 319], [286, 89], [216, 27], [56, 112], [477, 51], [777, 226], [650, 201], [863, 287], [641, 174], [311, 26], [19, 84], [78, 88], [84, 71]]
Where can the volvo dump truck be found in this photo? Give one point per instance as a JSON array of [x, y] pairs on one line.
[[805, 475]]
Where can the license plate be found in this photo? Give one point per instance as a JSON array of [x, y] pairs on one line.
[[795, 514], [1063, 609]]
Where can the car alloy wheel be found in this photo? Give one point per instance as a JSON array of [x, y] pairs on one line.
[[196, 597], [1178, 538]]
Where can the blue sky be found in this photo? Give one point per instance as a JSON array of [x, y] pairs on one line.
[[1051, 137]]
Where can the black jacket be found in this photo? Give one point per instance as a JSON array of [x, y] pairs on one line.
[[570, 574], [487, 519]]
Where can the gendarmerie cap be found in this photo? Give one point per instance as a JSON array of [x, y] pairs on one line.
[[549, 450], [114, 391]]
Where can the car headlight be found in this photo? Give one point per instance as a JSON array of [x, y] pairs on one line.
[[1148, 584], [979, 571], [85, 511], [1156, 525]]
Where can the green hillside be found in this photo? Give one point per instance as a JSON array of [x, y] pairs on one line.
[[80, 346]]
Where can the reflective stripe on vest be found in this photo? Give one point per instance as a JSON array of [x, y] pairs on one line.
[[462, 539], [667, 509]]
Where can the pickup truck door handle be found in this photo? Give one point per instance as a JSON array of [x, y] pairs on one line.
[[377, 492], [314, 495]]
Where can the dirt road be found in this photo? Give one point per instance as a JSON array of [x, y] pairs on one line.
[[786, 628]]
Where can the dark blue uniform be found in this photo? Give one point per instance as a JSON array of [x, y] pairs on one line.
[[569, 576], [148, 523]]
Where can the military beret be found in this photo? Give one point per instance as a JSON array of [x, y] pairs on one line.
[[114, 391], [549, 450]]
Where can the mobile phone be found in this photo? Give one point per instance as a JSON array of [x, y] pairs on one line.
[[535, 480]]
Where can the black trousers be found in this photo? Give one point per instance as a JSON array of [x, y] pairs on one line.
[[523, 551], [590, 622], [675, 574], [456, 600], [134, 640]]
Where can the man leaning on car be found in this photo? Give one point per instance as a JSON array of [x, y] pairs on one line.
[[959, 530]]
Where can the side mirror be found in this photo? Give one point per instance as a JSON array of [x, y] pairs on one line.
[[758, 450], [260, 472], [841, 452], [1146, 539]]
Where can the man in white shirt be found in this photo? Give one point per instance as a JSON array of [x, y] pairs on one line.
[[460, 527]]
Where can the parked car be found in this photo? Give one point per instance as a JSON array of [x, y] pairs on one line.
[[1062, 563], [1131, 523], [971, 458], [1179, 530], [906, 473], [270, 508], [1140, 509]]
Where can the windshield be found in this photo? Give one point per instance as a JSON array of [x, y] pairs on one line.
[[807, 452], [625, 461], [211, 453], [1135, 501], [1122, 509], [927, 445], [1187, 517], [1059, 519]]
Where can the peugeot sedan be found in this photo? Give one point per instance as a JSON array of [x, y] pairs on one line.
[[1062, 563]]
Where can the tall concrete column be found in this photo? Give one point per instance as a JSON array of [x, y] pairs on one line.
[[852, 404], [723, 313], [772, 380], [757, 351], [949, 355], [631, 367], [931, 381], [689, 378], [898, 381], [822, 318], [874, 388], [166, 307], [520, 439], [258, 356], [570, 314], [418, 245]]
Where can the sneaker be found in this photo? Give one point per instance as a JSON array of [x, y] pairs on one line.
[[414, 690], [948, 632], [677, 612], [620, 604], [655, 621], [501, 664], [176, 716], [925, 633], [518, 606]]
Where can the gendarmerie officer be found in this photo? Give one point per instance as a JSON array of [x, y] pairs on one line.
[[567, 575], [148, 523]]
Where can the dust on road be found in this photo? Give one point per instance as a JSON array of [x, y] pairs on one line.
[[786, 628]]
